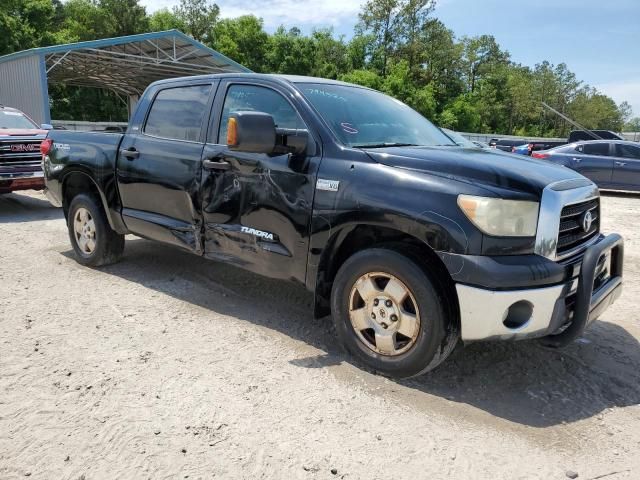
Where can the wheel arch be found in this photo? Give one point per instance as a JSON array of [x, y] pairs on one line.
[[354, 238], [78, 180]]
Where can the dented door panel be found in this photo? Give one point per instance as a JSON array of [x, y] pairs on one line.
[[257, 212]]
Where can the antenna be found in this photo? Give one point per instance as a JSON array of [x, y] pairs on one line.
[[572, 122]]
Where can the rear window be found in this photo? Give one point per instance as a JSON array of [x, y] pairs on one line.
[[177, 113], [627, 151], [13, 119]]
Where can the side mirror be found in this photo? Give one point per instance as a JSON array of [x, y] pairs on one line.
[[253, 132], [46, 126], [293, 140]]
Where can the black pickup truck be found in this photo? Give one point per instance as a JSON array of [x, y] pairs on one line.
[[409, 240]]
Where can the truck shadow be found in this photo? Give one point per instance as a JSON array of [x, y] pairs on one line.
[[19, 208], [522, 382]]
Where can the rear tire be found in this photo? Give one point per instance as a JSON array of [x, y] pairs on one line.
[[389, 315], [92, 238]]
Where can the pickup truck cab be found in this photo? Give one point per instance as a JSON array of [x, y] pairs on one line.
[[410, 241], [20, 139]]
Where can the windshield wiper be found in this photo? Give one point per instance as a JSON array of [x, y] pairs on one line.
[[386, 144]]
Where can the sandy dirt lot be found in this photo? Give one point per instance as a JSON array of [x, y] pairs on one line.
[[168, 366]]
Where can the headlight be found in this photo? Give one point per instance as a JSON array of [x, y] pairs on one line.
[[501, 218]]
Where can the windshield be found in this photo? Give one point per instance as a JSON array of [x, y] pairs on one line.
[[459, 139], [365, 118], [11, 119]]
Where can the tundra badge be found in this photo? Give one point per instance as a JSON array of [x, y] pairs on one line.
[[257, 233]]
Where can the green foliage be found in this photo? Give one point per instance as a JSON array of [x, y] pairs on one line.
[[481, 55], [198, 17], [242, 39], [397, 47], [124, 17], [289, 52], [166, 20], [20, 24], [366, 78], [84, 20], [462, 114], [423, 100], [448, 119], [330, 55], [87, 104], [594, 110], [633, 125], [380, 20], [398, 82]]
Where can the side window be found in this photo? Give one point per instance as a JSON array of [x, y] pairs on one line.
[[627, 151], [177, 113], [596, 149], [259, 99]]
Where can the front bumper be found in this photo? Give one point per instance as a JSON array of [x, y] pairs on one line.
[[10, 182], [559, 312]]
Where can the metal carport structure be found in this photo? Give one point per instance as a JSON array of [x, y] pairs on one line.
[[125, 65]]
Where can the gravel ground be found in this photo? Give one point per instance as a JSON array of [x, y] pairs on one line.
[[168, 366]]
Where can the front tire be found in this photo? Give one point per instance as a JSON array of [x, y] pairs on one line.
[[92, 238], [389, 315]]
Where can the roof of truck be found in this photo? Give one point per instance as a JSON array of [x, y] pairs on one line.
[[271, 76]]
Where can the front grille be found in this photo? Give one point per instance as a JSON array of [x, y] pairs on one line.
[[571, 234], [18, 153]]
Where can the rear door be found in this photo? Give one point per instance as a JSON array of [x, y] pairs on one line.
[[626, 167], [257, 207], [594, 160], [159, 166]]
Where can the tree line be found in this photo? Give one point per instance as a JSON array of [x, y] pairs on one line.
[[398, 46]]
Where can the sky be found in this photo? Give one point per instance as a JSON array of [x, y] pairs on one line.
[[598, 40]]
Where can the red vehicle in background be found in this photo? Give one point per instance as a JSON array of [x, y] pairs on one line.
[[20, 159]]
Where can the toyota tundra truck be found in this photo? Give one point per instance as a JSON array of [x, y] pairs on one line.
[[410, 241], [20, 158]]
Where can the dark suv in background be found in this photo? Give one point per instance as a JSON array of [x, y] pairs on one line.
[[610, 164], [506, 144], [584, 135]]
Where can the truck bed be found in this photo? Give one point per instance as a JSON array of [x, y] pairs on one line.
[[93, 149]]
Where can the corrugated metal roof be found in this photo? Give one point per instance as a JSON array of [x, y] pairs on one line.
[[20, 86], [128, 64]]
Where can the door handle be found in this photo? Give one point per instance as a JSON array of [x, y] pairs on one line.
[[209, 164], [576, 159], [621, 164], [130, 153]]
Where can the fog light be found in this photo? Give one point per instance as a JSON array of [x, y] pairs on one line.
[[518, 314]]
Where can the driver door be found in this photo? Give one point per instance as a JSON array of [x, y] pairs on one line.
[[257, 207]]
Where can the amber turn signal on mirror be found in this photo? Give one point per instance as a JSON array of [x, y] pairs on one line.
[[232, 132]]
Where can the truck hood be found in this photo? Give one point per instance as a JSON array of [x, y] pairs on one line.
[[494, 171], [21, 132]]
